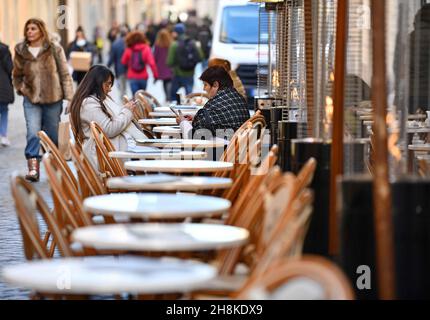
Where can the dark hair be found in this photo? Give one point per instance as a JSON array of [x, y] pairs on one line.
[[135, 37], [91, 85], [219, 74]]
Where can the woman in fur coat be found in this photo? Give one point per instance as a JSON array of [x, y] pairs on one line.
[[41, 76]]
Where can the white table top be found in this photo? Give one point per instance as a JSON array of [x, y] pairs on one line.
[[186, 107], [161, 155], [175, 130], [170, 114], [110, 275], [161, 237], [168, 183], [182, 143], [178, 166], [159, 121], [419, 147], [156, 205], [418, 129]]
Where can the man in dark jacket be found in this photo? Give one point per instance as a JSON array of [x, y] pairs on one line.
[[6, 91], [115, 55]]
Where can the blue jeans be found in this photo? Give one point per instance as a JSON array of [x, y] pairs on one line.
[[179, 82], [4, 110], [38, 117], [137, 85]]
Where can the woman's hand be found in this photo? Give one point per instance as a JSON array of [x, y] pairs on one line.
[[131, 105], [182, 118]]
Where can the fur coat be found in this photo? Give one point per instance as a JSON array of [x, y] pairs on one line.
[[39, 79]]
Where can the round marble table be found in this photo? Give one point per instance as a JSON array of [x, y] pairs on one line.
[[161, 237], [156, 205], [178, 166], [109, 275], [182, 143], [168, 183], [160, 155], [159, 122]]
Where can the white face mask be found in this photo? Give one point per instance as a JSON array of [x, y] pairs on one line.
[[81, 42]]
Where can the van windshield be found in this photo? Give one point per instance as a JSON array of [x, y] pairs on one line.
[[240, 24]]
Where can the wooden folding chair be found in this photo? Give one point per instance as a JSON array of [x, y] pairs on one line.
[[110, 167], [276, 284], [89, 179], [30, 207], [153, 102], [68, 203], [247, 211], [50, 147], [285, 238]]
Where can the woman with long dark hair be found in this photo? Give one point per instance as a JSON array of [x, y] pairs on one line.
[[41, 75], [93, 103]]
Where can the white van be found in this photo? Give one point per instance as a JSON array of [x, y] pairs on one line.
[[235, 38]]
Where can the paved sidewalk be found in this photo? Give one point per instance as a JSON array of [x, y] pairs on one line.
[[12, 160]]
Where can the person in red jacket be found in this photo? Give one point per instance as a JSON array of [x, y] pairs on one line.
[[136, 57]]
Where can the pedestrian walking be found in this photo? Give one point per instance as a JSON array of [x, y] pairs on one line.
[[6, 91], [161, 49], [137, 57], [41, 75], [99, 43], [183, 57], [81, 44], [115, 56]]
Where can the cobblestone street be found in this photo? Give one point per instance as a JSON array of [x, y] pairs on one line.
[[12, 160]]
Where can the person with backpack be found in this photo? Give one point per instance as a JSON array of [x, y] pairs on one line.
[[183, 57], [136, 57]]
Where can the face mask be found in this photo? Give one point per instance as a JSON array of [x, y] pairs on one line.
[[81, 42]]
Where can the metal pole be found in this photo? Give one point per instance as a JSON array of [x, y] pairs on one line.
[[338, 103], [381, 186]]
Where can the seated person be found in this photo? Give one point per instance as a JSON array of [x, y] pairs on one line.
[[237, 83], [225, 111], [93, 103]]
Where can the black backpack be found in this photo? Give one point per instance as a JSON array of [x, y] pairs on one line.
[[187, 55], [137, 64]]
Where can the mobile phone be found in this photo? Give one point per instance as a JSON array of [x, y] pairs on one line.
[[175, 112]]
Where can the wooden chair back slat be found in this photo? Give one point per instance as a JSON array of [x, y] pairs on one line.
[[70, 211], [89, 179], [109, 166], [29, 207], [49, 146]]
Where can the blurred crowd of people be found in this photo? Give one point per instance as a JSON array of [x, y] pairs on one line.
[[157, 46]]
